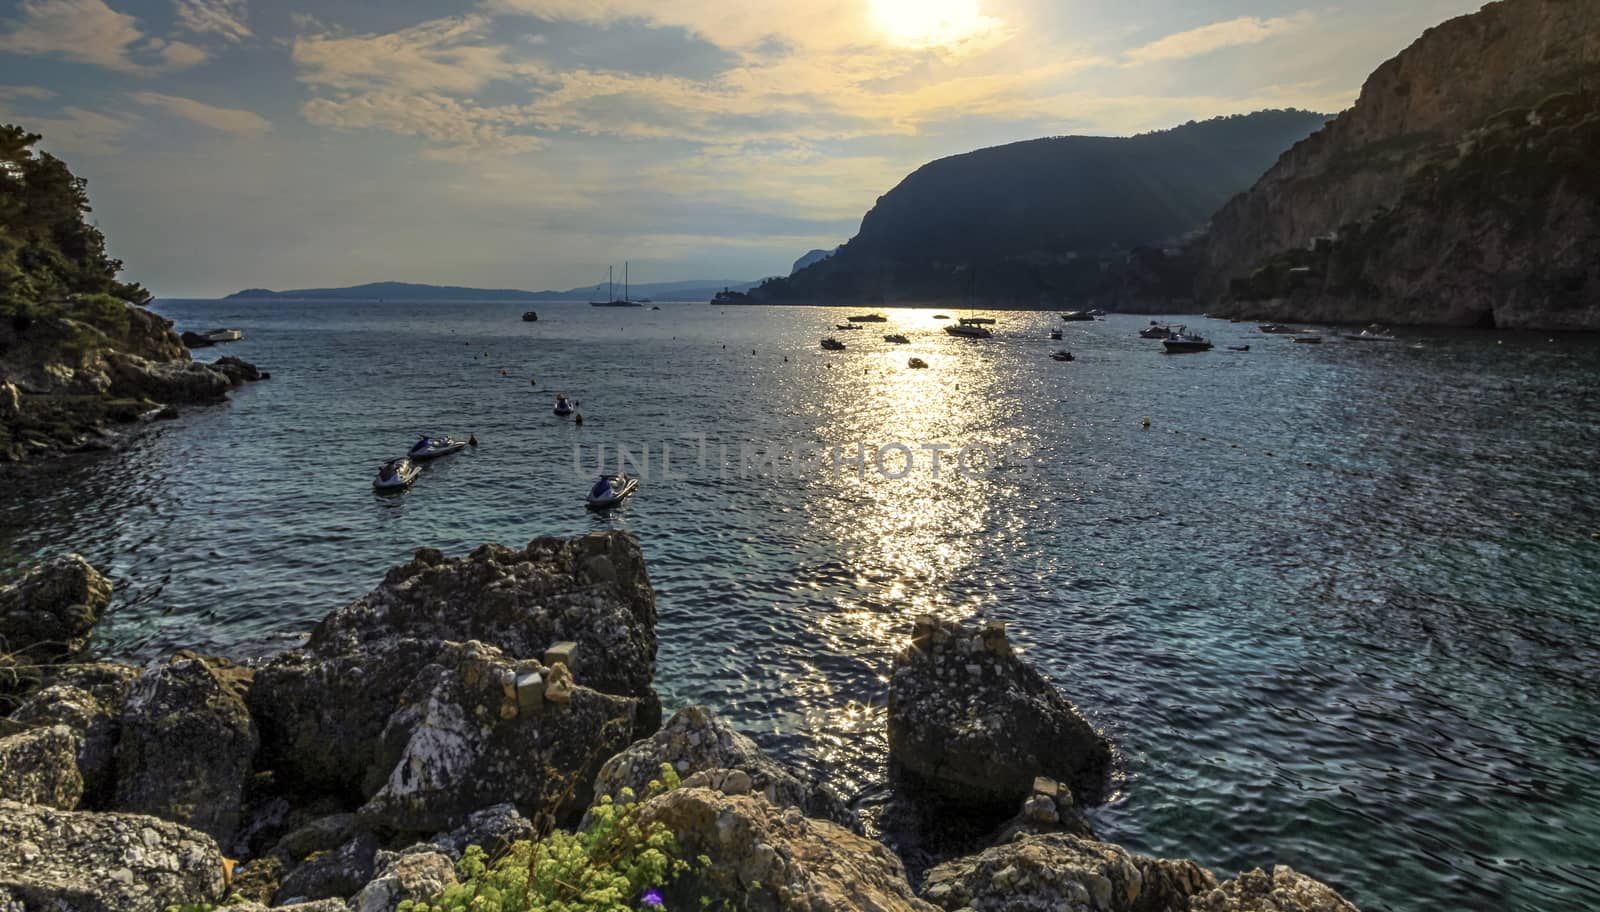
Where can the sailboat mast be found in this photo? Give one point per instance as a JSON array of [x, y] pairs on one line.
[[625, 295]]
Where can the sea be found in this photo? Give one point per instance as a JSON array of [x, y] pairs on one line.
[[1337, 606]]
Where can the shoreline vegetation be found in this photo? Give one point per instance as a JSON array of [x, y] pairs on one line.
[[482, 732]]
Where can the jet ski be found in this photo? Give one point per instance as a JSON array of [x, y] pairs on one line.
[[397, 474], [434, 447], [563, 406], [611, 491]]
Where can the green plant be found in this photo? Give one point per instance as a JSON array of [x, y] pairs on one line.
[[615, 863]]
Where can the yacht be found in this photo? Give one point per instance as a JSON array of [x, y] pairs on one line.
[[1181, 342], [611, 299], [966, 331]]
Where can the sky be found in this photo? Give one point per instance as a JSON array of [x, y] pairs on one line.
[[529, 143]]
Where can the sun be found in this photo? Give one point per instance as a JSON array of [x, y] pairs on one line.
[[930, 23]]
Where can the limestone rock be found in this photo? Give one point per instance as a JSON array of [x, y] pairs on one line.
[[48, 614], [1284, 890], [41, 767], [332, 875], [187, 745], [165, 381], [322, 708], [85, 862], [416, 876], [1061, 871], [695, 740], [460, 742], [766, 859], [492, 829], [972, 725], [87, 699]]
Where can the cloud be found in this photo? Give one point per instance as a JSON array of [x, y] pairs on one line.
[[1232, 33], [459, 129], [445, 55], [225, 18], [13, 92], [223, 120], [176, 55], [83, 31], [81, 132]]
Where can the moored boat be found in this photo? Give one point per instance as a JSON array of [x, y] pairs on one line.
[[397, 474], [1155, 331], [1181, 342], [1275, 329], [916, 364], [1061, 356], [868, 318], [897, 339], [563, 406], [1309, 339], [610, 491], [434, 447], [1055, 335], [846, 326], [832, 344], [978, 321], [1078, 316], [1373, 333], [969, 332], [530, 316]]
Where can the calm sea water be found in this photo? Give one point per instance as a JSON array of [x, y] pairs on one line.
[[1336, 607]]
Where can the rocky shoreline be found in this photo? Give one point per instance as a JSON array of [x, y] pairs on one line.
[[497, 697]]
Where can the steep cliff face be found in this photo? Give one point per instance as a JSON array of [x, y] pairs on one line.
[[1043, 221], [1450, 185]]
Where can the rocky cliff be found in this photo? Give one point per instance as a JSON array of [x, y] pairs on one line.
[[1042, 222], [1458, 190]]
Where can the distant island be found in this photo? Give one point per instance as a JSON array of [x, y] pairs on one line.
[[692, 290]]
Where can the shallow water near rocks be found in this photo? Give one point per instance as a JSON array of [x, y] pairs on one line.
[[1336, 606]]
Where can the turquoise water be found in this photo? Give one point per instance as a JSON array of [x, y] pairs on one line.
[[1336, 607]]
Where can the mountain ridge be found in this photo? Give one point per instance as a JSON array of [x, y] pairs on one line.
[[694, 289]]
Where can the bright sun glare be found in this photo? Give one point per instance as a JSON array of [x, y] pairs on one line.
[[929, 23]]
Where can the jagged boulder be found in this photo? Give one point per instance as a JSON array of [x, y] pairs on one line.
[[766, 859], [84, 862], [415, 876], [41, 767], [1061, 871], [48, 614], [972, 725], [332, 875], [238, 371], [187, 745], [493, 829], [88, 699], [695, 740], [181, 382], [323, 708], [468, 735], [1283, 890]]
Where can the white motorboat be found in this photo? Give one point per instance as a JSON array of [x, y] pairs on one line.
[[1373, 333], [434, 447], [611, 491], [397, 474], [1181, 342]]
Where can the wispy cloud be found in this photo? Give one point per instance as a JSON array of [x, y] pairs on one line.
[[224, 120], [76, 131], [83, 31], [13, 92], [225, 18], [1216, 36], [447, 55]]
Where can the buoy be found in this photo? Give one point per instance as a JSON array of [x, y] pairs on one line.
[[532, 382], [472, 440], [1147, 422], [577, 418]]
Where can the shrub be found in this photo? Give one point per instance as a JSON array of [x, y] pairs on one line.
[[614, 864]]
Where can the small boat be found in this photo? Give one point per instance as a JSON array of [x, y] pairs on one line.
[[966, 331], [1097, 312], [1308, 340], [1277, 329], [656, 307], [1155, 331], [531, 316], [397, 474], [978, 321], [1078, 316], [1181, 342], [223, 335], [610, 491], [434, 447], [1061, 356], [845, 326], [1055, 335], [916, 364], [1373, 333], [868, 318], [1238, 348], [941, 316], [563, 406], [832, 344], [897, 339]]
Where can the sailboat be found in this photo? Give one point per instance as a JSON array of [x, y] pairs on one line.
[[971, 327], [611, 299]]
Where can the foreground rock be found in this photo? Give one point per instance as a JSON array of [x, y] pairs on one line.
[[87, 699], [971, 725], [410, 876], [1061, 871], [766, 859], [323, 709], [465, 738], [187, 744], [48, 614], [1284, 890], [41, 767], [695, 740], [85, 862]]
